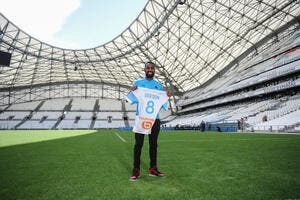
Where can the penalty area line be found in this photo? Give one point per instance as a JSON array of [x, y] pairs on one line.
[[119, 136]]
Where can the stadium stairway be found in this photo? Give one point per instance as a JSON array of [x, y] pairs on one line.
[[68, 106], [57, 122], [93, 121], [1, 111], [96, 106], [96, 109], [125, 117], [30, 115], [66, 109], [126, 122]]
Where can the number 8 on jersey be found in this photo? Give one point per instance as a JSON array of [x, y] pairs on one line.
[[150, 107]]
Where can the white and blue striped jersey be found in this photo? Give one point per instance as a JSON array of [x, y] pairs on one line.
[[149, 103]]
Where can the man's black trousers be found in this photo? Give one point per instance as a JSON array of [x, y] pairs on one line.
[[139, 141]]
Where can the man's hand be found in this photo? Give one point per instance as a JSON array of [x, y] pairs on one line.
[[133, 88], [169, 93]]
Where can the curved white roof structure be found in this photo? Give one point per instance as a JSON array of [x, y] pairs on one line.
[[191, 41]]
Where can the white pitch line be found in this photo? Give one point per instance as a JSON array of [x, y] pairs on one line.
[[119, 136]]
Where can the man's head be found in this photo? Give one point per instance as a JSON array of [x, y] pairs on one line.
[[149, 70]]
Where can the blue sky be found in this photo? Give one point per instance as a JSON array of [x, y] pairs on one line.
[[73, 23]]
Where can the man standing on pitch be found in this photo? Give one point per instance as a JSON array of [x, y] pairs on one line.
[[150, 83]]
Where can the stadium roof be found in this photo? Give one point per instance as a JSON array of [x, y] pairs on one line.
[[191, 42]]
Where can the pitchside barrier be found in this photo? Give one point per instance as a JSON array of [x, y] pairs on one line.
[[223, 127]]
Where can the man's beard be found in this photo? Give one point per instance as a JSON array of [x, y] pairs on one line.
[[150, 75]]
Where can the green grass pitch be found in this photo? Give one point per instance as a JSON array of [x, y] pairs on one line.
[[97, 165]]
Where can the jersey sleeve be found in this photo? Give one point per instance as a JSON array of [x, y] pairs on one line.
[[160, 86], [131, 98], [165, 106], [136, 83]]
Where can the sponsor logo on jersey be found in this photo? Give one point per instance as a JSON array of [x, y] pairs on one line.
[[147, 125]]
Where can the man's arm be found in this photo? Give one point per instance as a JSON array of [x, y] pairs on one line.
[[133, 88]]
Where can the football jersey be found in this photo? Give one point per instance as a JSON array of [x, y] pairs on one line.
[[149, 103], [151, 84]]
